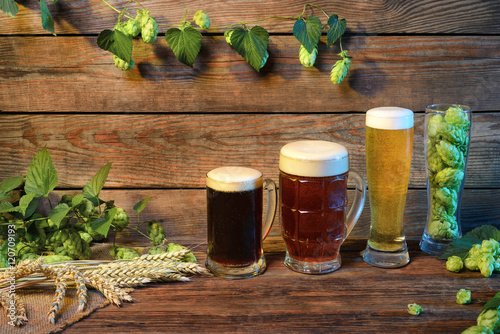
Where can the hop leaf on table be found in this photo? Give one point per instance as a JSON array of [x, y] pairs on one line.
[[202, 19]]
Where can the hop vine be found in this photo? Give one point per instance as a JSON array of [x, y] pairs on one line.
[[185, 39]]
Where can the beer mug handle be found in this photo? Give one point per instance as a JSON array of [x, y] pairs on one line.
[[270, 186], [358, 204]]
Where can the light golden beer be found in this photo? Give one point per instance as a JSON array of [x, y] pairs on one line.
[[388, 161]]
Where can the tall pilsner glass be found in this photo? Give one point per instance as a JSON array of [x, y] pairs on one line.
[[389, 146]]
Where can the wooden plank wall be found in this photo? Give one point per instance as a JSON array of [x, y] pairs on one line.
[[164, 125]]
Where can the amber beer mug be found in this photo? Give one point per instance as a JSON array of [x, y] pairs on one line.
[[234, 221], [389, 145], [313, 204]]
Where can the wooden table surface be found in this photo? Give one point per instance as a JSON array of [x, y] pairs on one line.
[[355, 298]]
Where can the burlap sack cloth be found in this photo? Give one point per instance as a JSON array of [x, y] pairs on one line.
[[38, 301]]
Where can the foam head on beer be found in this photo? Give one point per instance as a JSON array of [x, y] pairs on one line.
[[234, 178], [314, 158], [389, 118]]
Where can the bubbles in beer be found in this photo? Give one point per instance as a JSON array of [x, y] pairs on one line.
[[314, 158], [234, 178], [389, 118]]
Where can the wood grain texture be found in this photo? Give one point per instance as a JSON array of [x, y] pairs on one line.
[[71, 74], [183, 214], [378, 16], [176, 151], [357, 298]]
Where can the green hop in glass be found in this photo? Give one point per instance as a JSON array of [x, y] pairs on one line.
[[490, 318], [449, 177], [450, 154], [414, 309], [447, 197], [307, 59], [471, 263], [478, 330], [457, 117], [490, 246], [454, 263], [202, 19], [434, 161], [486, 264], [433, 125], [442, 230], [463, 296], [454, 135]]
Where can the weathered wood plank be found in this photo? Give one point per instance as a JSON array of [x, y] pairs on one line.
[[358, 298], [419, 16], [176, 151], [71, 74], [183, 213]]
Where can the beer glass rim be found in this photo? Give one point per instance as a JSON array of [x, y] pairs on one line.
[[248, 183], [303, 158], [389, 118], [442, 107]]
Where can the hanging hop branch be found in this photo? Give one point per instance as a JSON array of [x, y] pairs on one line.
[[251, 43]]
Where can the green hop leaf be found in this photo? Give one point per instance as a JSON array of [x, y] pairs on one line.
[[339, 70], [307, 59], [122, 64], [251, 45], [116, 42], [47, 21], [42, 177], [58, 213], [308, 31], [95, 185], [101, 225], [336, 30], [10, 184], [454, 263], [185, 43], [202, 19], [9, 7], [139, 206]]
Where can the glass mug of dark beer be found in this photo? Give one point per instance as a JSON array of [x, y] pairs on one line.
[[313, 204], [234, 221]]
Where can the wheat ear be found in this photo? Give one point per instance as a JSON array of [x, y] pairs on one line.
[[58, 298]]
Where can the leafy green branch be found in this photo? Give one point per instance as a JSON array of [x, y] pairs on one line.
[[185, 39]]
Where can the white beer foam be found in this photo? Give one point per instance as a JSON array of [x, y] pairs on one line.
[[314, 158], [234, 178], [389, 118]]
